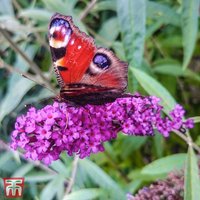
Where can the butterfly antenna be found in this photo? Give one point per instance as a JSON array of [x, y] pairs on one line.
[[38, 83], [11, 69]]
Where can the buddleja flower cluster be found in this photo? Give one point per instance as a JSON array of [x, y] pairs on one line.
[[43, 134]]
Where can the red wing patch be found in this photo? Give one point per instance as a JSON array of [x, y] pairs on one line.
[[73, 65]]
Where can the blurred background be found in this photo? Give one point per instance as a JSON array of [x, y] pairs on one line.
[[161, 42]]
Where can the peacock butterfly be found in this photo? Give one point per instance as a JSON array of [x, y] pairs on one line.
[[87, 74]]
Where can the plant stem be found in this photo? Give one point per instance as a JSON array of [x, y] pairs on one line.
[[188, 140], [106, 42], [32, 65], [35, 78], [87, 9], [73, 175]]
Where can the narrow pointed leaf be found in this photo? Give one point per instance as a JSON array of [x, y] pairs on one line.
[[102, 179], [165, 165], [23, 170], [52, 188], [85, 194], [13, 98], [162, 11], [132, 18], [190, 14], [192, 181], [153, 87]]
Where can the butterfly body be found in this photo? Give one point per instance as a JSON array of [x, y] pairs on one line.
[[86, 74]]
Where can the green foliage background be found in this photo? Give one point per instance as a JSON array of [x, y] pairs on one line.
[[160, 40]]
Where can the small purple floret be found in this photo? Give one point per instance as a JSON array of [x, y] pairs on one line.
[[43, 134]]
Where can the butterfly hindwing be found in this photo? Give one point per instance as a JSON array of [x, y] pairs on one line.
[[111, 75]]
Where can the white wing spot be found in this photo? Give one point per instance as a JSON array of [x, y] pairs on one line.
[[72, 42]]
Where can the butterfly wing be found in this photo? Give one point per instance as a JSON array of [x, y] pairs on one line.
[[106, 70], [72, 50], [83, 70]]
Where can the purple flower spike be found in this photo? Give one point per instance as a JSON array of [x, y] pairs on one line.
[[44, 134]]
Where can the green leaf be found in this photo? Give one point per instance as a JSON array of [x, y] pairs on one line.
[[165, 165], [6, 8], [132, 19], [110, 24], [192, 181], [52, 188], [133, 186], [21, 64], [12, 24], [58, 6], [39, 177], [104, 5], [36, 98], [61, 168], [153, 87], [84, 194], [23, 170], [17, 86], [138, 175], [15, 95], [159, 144], [102, 179], [175, 69], [4, 158], [36, 14], [119, 50], [190, 14], [130, 144], [109, 149], [153, 27], [162, 12]]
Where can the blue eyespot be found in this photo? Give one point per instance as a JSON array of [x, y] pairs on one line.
[[60, 22], [102, 61]]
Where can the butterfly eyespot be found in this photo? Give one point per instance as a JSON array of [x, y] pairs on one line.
[[59, 22], [102, 61], [59, 33]]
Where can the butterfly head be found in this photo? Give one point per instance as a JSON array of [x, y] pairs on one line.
[[59, 32]]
